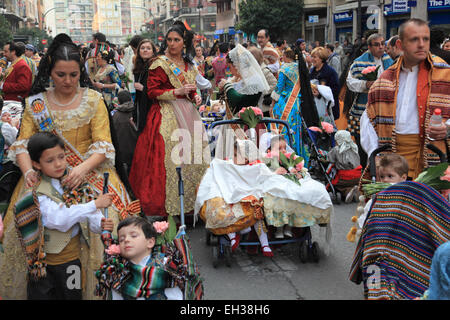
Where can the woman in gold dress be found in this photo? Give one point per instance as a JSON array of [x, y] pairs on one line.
[[79, 116]]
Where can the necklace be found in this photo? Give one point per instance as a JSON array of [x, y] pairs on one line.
[[180, 63], [53, 98]]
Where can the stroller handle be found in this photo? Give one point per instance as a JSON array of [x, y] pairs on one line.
[[372, 166], [263, 120], [105, 190], [442, 156]]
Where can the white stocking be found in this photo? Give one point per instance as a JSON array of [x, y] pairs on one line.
[[262, 236]]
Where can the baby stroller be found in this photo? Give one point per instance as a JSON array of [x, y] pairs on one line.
[[319, 144], [220, 243], [406, 223], [181, 267]]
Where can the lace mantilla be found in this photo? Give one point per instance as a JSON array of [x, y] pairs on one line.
[[252, 76], [105, 148]]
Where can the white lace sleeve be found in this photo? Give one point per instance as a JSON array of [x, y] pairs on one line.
[[18, 147], [105, 148]]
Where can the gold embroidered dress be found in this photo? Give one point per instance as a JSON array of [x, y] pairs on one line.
[[86, 128]]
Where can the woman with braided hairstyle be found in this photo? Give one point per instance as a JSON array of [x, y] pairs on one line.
[[77, 115]]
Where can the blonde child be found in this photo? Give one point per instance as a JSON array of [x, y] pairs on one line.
[[392, 168]]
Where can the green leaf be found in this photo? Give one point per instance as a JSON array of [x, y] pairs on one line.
[[171, 232], [432, 173]]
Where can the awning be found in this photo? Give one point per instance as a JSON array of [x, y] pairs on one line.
[[220, 31], [231, 31]]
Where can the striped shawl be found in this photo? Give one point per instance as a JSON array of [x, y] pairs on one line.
[[434, 93], [359, 104], [406, 224]]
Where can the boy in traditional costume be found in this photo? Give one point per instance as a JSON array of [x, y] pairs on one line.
[[48, 220], [146, 274]]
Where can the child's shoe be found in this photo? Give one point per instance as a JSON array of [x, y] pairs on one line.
[[288, 231], [267, 252], [279, 233]]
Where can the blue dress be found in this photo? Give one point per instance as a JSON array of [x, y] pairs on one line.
[[287, 78]]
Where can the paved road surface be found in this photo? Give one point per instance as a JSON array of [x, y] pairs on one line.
[[283, 276]]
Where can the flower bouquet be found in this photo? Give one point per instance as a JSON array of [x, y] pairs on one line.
[[370, 73], [289, 161], [166, 231], [325, 126], [251, 116]]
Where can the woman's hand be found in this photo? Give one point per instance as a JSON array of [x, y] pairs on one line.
[[138, 86], [98, 85], [221, 84], [185, 90], [75, 177], [31, 178]]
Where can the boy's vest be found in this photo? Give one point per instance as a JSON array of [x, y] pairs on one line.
[[56, 241]]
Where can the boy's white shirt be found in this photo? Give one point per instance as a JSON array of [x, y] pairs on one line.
[[58, 217], [171, 293]]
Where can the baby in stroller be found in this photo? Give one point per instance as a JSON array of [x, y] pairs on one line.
[[233, 197], [227, 200], [344, 166]]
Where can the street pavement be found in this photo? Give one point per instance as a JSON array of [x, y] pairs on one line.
[[283, 277]]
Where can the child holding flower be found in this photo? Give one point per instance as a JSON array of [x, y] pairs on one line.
[[281, 220]]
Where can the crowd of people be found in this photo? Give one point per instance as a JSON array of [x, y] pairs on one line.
[[136, 113]]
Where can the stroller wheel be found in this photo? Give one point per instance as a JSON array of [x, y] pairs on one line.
[[338, 198], [215, 256], [303, 252], [227, 254], [208, 238], [314, 253]]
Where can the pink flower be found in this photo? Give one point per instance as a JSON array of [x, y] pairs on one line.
[[446, 175], [257, 111], [316, 129], [288, 155], [327, 127], [113, 249], [300, 165], [160, 226], [369, 70]]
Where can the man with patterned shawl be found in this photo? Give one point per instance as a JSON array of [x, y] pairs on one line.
[[401, 101], [271, 56], [356, 82]]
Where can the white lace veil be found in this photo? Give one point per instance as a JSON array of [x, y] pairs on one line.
[[252, 76]]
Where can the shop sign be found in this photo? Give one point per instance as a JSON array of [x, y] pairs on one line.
[[438, 4], [343, 16]]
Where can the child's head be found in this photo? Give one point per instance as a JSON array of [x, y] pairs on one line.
[[137, 238], [46, 151], [124, 96], [277, 145], [393, 168]]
